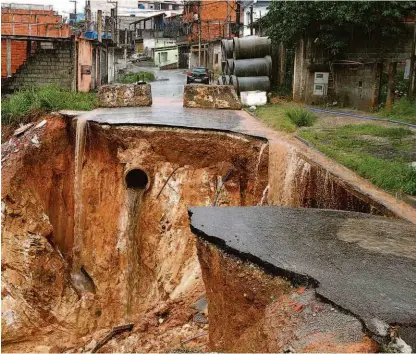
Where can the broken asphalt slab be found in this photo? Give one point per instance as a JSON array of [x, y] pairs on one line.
[[172, 116], [362, 263]]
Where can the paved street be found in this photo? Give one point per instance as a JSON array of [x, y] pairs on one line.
[[170, 88]]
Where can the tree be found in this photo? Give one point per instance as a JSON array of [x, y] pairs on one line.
[[331, 23]]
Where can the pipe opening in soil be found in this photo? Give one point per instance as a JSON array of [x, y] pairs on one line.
[[136, 179]]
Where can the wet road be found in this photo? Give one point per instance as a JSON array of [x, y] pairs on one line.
[[167, 109], [364, 263], [169, 83]]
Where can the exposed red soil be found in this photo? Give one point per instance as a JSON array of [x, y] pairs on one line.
[[252, 311]]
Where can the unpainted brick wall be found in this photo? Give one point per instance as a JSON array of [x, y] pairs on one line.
[[19, 54], [43, 23], [213, 19], [47, 67]]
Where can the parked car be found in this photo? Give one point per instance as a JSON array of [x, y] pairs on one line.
[[139, 57], [198, 75]]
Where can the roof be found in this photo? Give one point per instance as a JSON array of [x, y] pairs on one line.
[[149, 17]]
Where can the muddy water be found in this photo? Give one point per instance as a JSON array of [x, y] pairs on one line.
[[80, 140], [133, 203], [297, 182]]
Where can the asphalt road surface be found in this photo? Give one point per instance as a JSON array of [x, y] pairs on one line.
[[169, 83]]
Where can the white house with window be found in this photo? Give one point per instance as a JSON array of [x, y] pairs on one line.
[[253, 11]]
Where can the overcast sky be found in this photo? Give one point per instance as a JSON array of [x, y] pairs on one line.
[[62, 6]]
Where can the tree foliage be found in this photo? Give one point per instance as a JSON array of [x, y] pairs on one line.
[[331, 23]]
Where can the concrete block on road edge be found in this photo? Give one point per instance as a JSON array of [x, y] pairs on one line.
[[125, 95], [211, 96]]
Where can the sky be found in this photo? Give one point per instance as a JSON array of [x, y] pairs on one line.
[[64, 7]]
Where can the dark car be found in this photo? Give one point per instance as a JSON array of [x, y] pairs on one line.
[[198, 75]]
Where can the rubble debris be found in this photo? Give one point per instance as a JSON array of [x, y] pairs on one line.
[[22, 129], [114, 331], [41, 124], [201, 305], [192, 338], [200, 318], [35, 140]]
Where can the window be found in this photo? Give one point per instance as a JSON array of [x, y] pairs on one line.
[[216, 58]]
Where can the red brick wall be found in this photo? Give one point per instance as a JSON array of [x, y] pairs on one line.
[[18, 56], [213, 18], [41, 23], [5, 10]]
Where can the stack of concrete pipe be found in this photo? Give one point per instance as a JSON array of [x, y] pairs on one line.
[[246, 63]]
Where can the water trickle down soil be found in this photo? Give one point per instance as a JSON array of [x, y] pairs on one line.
[[133, 202], [80, 140]]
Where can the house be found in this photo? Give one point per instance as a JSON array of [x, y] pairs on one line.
[[358, 79], [253, 10], [205, 24], [154, 37], [39, 49]]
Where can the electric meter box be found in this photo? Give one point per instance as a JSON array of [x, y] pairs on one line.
[[321, 78], [320, 89]]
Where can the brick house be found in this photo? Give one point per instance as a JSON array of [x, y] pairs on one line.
[[213, 20], [39, 49], [25, 22]]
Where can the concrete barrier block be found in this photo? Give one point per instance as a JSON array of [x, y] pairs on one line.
[[253, 98], [211, 96], [125, 95]]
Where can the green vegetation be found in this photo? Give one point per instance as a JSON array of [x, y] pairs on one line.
[[140, 76], [402, 110], [274, 116], [300, 116], [380, 154], [330, 23], [285, 116], [20, 105]]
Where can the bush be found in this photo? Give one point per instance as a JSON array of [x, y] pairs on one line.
[[401, 110], [300, 116], [140, 76], [21, 104]]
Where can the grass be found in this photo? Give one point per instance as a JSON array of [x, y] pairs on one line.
[[401, 110], [139, 76], [380, 154], [285, 117], [20, 105], [300, 116]]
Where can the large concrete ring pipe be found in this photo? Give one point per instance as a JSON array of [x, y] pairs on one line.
[[227, 47], [253, 83], [253, 67], [251, 47]]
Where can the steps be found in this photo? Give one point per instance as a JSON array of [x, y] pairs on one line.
[[45, 67]]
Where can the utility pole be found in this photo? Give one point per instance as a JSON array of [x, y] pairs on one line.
[[75, 5], [412, 76], [199, 33], [115, 13], [251, 19], [100, 25], [227, 23], [87, 11]]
